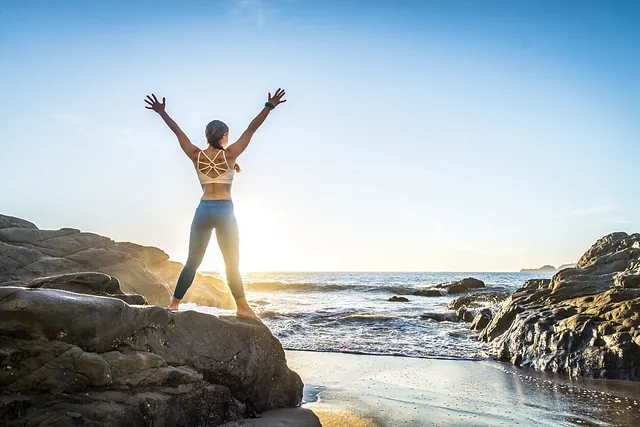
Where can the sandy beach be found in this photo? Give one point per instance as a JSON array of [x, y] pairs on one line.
[[361, 390]]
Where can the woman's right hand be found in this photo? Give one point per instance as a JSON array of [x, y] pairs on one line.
[[154, 104], [276, 98]]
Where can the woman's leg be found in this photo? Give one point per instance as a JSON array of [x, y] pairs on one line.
[[229, 242], [201, 229]]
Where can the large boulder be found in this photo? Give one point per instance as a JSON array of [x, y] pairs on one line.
[[27, 253], [89, 283], [585, 321], [73, 359], [461, 286], [205, 290]]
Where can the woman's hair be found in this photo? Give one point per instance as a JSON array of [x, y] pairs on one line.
[[214, 132]]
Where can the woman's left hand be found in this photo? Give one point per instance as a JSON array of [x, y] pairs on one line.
[[277, 97]]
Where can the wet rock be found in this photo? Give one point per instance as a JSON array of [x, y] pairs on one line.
[[461, 286], [464, 315], [440, 317], [398, 299], [585, 321], [73, 359], [429, 292], [481, 320], [476, 299]]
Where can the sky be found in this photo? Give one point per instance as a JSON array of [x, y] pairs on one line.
[[418, 135]]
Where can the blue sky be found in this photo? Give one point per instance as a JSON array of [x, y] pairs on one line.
[[426, 135]]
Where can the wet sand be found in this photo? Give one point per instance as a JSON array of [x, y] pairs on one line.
[[361, 390]]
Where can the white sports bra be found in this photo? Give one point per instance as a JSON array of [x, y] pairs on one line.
[[214, 171]]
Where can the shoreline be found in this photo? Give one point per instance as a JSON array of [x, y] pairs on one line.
[[390, 391]]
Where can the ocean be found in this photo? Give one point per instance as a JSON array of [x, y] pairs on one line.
[[349, 312]]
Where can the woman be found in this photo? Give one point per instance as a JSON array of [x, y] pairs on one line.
[[216, 166]]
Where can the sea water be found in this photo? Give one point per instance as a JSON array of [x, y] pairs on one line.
[[350, 312]]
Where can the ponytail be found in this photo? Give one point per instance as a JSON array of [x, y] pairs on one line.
[[214, 132]]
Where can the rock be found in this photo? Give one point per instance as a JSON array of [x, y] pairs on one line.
[[427, 293], [481, 320], [268, 314], [73, 359], [205, 290], [585, 321], [398, 299], [29, 253], [476, 299], [7, 221], [440, 317], [461, 286], [89, 283], [464, 315]]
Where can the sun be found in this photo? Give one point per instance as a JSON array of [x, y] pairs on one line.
[[262, 243]]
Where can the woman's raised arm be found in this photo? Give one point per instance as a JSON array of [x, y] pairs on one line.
[[189, 149], [241, 144]]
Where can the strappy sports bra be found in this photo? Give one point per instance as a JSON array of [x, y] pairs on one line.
[[214, 171]]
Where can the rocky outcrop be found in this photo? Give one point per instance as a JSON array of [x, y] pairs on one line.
[[28, 253], [461, 286], [73, 359], [398, 299], [481, 320], [585, 321], [453, 288], [478, 299], [205, 290]]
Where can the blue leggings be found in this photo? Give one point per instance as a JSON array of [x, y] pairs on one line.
[[212, 214]]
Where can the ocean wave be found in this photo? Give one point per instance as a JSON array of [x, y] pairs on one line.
[[279, 286], [370, 318], [477, 357], [317, 287]]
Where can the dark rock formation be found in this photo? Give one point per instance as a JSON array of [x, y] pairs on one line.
[[398, 299], [476, 299], [440, 317], [585, 321], [481, 320], [450, 288], [464, 315], [205, 290], [73, 359], [461, 286], [429, 292]]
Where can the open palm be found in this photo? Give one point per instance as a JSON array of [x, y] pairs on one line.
[[154, 104], [277, 97]]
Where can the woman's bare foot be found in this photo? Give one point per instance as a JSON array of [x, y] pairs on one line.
[[244, 310], [174, 304]]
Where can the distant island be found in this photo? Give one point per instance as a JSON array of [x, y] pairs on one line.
[[547, 269]]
